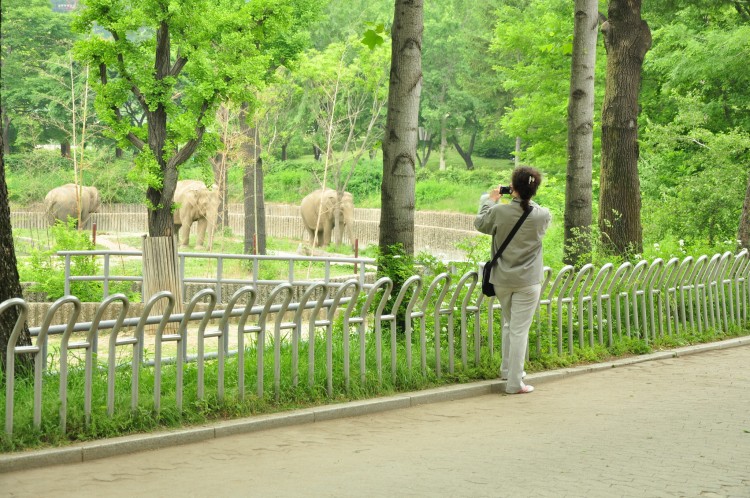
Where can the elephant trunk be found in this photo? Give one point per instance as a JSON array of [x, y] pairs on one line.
[[338, 227]]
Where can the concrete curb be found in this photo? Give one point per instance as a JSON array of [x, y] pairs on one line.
[[93, 450]]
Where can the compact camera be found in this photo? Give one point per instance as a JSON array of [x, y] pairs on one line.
[[505, 190]]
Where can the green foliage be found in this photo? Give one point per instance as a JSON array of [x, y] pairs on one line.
[[532, 46], [499, 146], [216, 51], [33, 37], [397, 265], [342, 20], [47, 270], [366, 179], [345, 91], [694, 179], [289, 182], [31, 175], [374, 36]]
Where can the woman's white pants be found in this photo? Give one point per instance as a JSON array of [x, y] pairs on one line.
[[518, 306]]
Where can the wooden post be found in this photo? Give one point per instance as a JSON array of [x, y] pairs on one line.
[[161, 272], [93, 234], [356, 253]]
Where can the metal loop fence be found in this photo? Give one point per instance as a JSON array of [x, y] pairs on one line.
[[335, 333]]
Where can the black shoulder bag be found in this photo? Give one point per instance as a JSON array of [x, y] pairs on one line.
[[487, 288]]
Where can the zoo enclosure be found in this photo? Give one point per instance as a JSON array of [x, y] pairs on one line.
[[435, 232], [649, 301]]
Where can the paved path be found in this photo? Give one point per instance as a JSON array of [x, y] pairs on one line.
[[674, 427]]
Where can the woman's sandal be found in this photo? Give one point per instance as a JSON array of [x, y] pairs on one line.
[[525, 389]]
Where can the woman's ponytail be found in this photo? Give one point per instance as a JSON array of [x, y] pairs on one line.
[[526, 181]]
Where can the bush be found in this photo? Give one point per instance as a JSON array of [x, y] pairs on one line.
[[366, 179], [31, 175], [288, 182], [47, 271], [496, 147]]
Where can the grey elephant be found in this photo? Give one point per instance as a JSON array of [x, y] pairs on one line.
[[336, 213], [62, 203], [196, 202]]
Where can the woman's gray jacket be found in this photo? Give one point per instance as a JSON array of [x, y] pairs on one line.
[[522, 263]]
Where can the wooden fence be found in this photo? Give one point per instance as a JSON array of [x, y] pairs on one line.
[[435, 232]]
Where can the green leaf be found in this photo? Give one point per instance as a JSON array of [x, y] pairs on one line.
[[372, 39]]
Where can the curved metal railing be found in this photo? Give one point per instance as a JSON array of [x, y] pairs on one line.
[[577, 308]]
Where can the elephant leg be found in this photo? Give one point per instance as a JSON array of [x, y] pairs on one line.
[[319, 239], [202, 223], [326, 235], [185, 234]]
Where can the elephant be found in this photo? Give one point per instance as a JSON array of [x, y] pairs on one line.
[[336, 211], [61, 203], [196, 202]]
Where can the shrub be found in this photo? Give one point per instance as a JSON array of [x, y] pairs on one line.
[[47, 271]]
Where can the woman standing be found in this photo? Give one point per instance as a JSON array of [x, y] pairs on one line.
[[517, 276]]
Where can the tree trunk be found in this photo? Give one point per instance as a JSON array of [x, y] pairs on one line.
[[9, 276], [517, 158], [578, 189], [160, 248], [6, 131], [627, 38], [219, 167], [466, 154], [443, 142], [260, 206], [743, 234], [118, 153], [283, 151], [65, 149], [252, 186], [160, 218], [400, 138], [317, 152], [425, 153]]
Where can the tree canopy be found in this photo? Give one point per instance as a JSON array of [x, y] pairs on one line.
[[179, 60]]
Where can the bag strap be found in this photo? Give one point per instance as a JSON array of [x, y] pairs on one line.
[[510, 236]]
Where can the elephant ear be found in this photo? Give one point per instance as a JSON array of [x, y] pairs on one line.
[[201, 200], [191, 198], [95, 200]]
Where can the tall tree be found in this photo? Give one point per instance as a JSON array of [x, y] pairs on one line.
[[180, 59], [578, 183], [460, 87], [9, 275], [532, 47], [694, 144], [345, 92], [32, 35], [252, 182], [627, 38], [401, 131]]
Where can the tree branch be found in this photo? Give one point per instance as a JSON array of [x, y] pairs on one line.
[[137, 142], [133, 87], [179, 64], [186, 152]]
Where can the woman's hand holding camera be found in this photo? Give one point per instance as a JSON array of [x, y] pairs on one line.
[[496, 193]]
